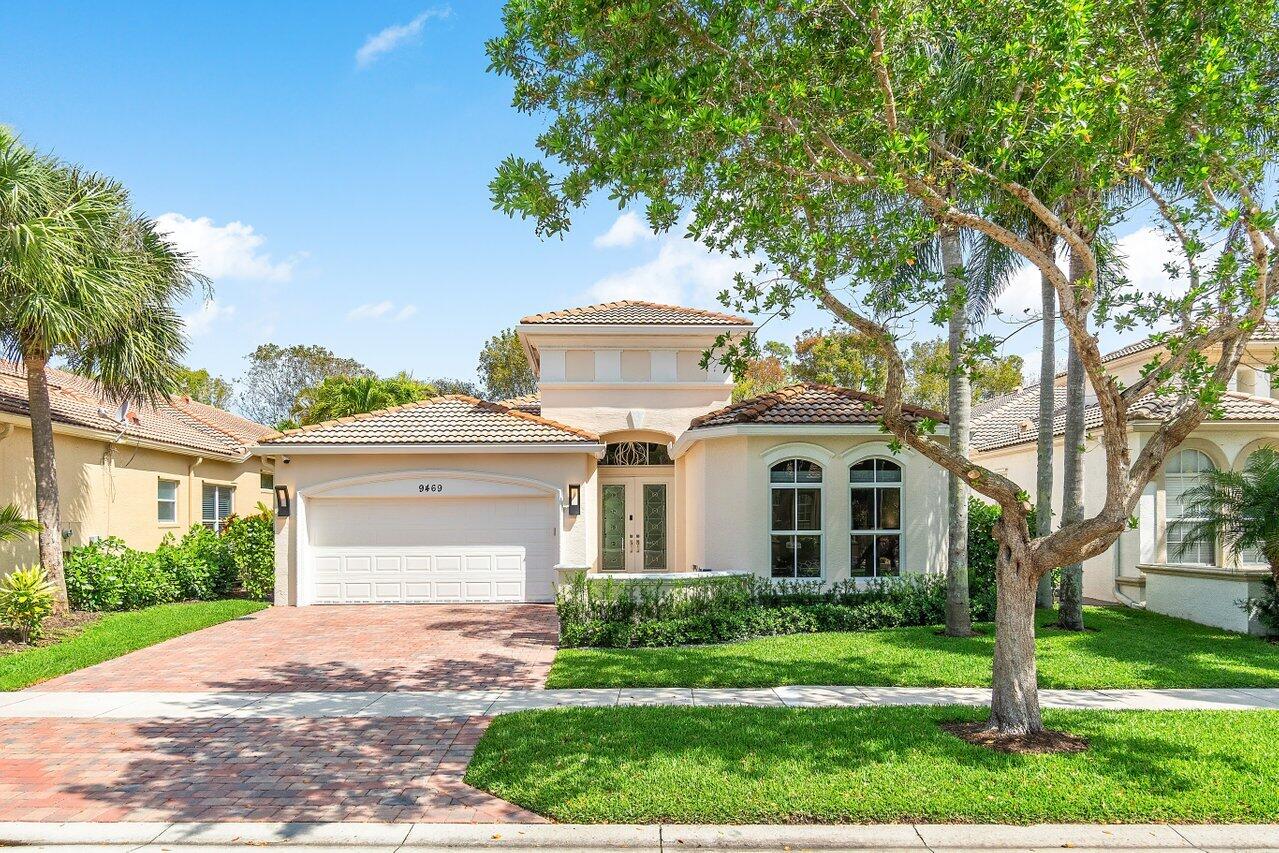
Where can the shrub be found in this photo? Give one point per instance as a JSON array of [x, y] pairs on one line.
[[251, 544], [982, 549], [1265, 608], [26, 600], [202, 565], [610, 613]]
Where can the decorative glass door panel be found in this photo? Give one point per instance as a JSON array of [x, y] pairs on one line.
[[634, 524], [613, 550], [654, 527]]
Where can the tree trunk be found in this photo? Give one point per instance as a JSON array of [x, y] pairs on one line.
[[958, 609], [1070, 614], [1014, 701], [46, 473], [1044, 441]]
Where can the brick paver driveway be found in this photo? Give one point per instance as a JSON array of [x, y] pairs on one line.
[[373, 647], [282, 769]]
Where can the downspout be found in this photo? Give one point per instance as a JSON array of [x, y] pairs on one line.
[[191, 517]]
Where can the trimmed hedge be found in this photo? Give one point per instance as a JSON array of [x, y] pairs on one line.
[[616, 614], [108, 575]]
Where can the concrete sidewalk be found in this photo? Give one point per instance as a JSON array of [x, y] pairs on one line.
[[490, 703], [657, 837]]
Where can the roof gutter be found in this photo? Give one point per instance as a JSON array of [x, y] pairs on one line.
[[597, 448], [113, 437], [691, 436]]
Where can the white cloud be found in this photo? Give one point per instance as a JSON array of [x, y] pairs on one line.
[[395, 36], [202, 321], [683, 273], [627, 230], [233, 250], [380, 311]]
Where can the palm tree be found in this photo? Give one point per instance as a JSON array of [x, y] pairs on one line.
[[14, 526], [1239, 508], [344, 396], [85, 280]]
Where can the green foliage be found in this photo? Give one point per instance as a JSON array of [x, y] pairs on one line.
[[344, 396], [504, 368], [928, 375], [276, 376], [87, 278], [26, 600], [839, 358], [982, 550], [616, 614], [768, 372], [204, 387], [108, 575], [1241, 508], [1266, 607], [13, 525], [251, 543]]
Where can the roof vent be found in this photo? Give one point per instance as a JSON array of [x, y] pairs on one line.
[[1026, 425]]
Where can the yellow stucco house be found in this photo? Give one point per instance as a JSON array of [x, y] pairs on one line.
[[137, 473]]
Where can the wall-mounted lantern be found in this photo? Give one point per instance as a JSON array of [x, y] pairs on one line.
[[282, 508], [575, 499]]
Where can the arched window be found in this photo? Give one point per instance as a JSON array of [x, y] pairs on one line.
[[1184, 471], [875, 518], [795, 525], [636, 453]]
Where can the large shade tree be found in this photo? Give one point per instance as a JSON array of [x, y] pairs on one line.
[[827, 138], [84, 279]]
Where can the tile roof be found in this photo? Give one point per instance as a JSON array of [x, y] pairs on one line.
[[450, 419], [531, 403], [1014, 418], [633, 312], [1267, 331], [806, 404], [178, 421]]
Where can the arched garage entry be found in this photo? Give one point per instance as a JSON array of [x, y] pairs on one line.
[[433, 536]]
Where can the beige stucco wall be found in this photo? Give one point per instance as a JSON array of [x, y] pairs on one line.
[[666, 408], [726, 496], [1228, 445], [577, 534], [109, 488]]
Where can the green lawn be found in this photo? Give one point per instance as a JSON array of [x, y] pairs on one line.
[[1128, 648], [116, 634], [776, 765]]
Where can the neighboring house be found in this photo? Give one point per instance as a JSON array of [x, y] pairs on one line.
[[1145, 567], [628, 459], [136, 472]]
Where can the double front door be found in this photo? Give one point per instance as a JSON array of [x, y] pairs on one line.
[[634, 524]]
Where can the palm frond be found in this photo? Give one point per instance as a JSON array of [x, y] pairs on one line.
[[13, 525]]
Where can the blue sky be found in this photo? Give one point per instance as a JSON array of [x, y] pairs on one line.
[[328, 163]]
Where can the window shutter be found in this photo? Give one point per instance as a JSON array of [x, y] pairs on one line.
[[210, 496]]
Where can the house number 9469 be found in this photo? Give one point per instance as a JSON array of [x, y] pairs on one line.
[[423, 488]]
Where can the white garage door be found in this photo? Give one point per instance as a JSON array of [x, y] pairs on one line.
[[406, 550]]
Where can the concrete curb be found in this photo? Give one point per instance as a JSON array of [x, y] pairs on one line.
[[654, 837]]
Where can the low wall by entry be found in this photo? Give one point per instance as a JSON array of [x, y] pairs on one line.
[[1208, 595]]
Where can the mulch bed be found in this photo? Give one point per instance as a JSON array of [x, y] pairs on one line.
[[57, 628], [1040, 743]]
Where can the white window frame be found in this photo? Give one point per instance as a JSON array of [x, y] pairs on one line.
[[1185, 481], [261, 478], [819, 534], [216, 522], [875, 485], [161, 501]]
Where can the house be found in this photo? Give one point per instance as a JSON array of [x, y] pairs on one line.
[[630, 458], [1147, 566], [136, 472]]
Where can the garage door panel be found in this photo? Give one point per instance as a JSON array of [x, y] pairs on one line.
[[431, 550]]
